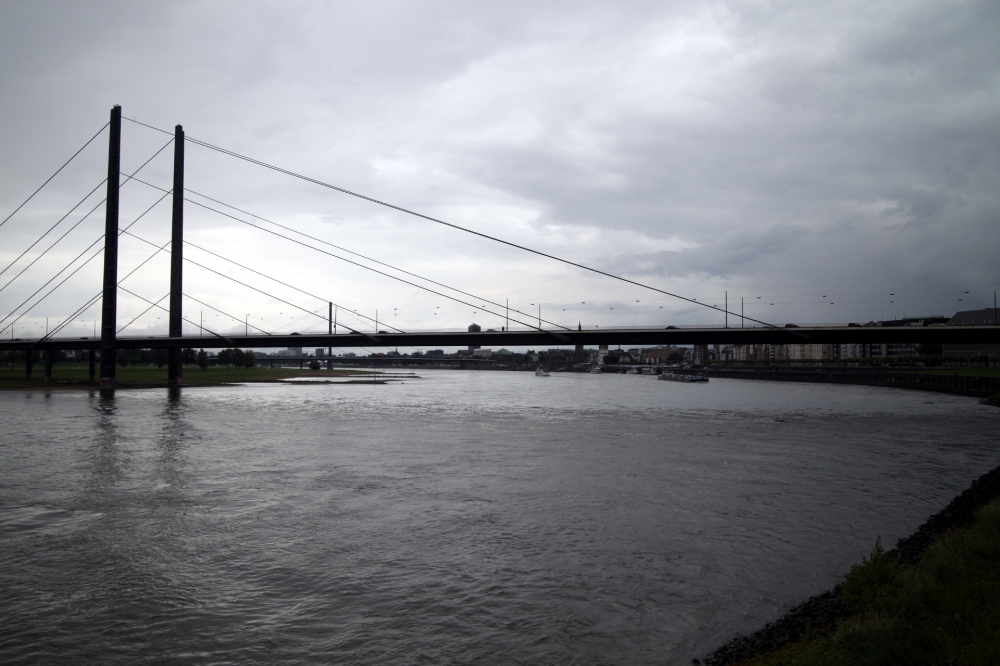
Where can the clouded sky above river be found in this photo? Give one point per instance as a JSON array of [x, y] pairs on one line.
[[819, 155]]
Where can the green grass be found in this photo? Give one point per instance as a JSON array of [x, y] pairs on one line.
[[75, 375], [946, 610]]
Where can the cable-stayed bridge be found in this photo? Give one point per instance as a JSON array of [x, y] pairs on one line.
[[519, 329]]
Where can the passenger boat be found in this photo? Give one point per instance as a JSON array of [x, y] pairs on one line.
[[687, 379], [595, 370], [649, 371], [540, 371]]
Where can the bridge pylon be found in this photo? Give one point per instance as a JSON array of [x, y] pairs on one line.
[[174, 366], [109, 301]]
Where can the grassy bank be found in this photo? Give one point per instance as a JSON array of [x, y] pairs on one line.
[[944, 609], [75, 375]]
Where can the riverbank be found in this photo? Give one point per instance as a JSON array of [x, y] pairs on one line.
[[75, 376], [931, 599], [972, 385]]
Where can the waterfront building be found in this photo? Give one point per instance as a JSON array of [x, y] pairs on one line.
[[474, 328], [810, 352], [984, 317], [849, 351], [660, 354], [699, 354]]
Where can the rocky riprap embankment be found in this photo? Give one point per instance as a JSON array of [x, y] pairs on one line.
[[820, 614]]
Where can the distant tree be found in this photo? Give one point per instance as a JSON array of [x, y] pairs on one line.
[[134, 358], [929, 350], [611, 359], [314, 364], [159, 357], [249, 358], [122, 358], [188, 356], [226, 356], [675, 356], [237, 358], [202, 359]]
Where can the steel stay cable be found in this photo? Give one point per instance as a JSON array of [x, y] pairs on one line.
[[80, 221], [144, 262], [136, 318], [393, 277], [237, 282], [183, 318], [75, 314], [100, 293], [9, 314], [49, 230], [298, 307], [55, 174], [357, 315], [369, 268], [92, 257], [358, 254], [98, 240], [342, 310], [212, 307], [342, 190], [319, 298]]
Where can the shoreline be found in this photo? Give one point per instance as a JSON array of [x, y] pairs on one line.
[[819, 615], [149, 378], [967, 385]]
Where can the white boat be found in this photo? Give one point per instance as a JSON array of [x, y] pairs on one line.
[[687, 379], [649, 371], [541, 372], [595, 370], [634, 371]]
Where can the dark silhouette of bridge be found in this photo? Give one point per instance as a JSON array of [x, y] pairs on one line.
[[523, 334]]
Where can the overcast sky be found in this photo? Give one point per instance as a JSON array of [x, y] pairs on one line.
[[824, 162]]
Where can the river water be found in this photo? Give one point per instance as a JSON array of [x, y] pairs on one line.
[[459, 518]]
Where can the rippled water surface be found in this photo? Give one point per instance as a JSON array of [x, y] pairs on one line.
[[461, 518]]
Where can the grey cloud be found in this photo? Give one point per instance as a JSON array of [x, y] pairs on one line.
[[830, 146]]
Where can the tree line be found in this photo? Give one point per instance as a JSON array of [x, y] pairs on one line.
[[241, 358]]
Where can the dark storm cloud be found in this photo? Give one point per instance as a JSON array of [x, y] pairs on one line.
[[780, 147]]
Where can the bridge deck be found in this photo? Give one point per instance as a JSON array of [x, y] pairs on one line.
[[547, 338]]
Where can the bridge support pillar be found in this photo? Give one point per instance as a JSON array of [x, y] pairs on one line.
[[109, 303], [92, 362], [28, 363], [174, 366], [47, 355]]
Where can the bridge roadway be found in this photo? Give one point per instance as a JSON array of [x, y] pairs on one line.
[[548, 338], [464, 361]]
